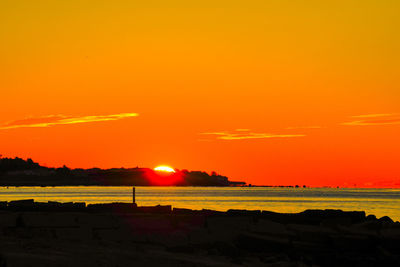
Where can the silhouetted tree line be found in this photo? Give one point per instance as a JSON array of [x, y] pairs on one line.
[[17, 164], [19, 172]]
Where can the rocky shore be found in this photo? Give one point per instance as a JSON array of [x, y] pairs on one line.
[[122, 234]]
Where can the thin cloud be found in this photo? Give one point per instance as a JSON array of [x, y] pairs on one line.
[[303, 127], [53, 120], [243, 135], [375, 115], [374, 119]]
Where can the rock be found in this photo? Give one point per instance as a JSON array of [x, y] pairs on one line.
[[8, 219], [79, 205], [207, 212], [111, 234], [200, 236], [53, 206], [257, 243], [57, 220], [310, 247], [171, 239], [188, 222], [76, 233], [152, 224], [347, 242], [335, 222], [26, 204], [313, 229], [358, 229], [224, 223], [318, 235], [371, 217], [43, 233], [182, 211], [283, 218], [370, 225], [233, 212], [227, 228], [97, 220], [155, 209], [329, 214], [385, 219], [113, 207], [268, 227], [391, 233], [3, 205]]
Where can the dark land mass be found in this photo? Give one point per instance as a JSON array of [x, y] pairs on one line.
[[19, 172], [122, 234]]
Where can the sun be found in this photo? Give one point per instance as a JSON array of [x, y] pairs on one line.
[[164, 168]]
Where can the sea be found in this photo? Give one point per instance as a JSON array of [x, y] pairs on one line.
[[380, 202]]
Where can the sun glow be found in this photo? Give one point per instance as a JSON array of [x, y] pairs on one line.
[[164, 169]]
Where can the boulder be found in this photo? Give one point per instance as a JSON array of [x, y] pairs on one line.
[[148, 223], [8, 219], [113, 207], [111, 234], [313, 216], [26, 204], [155, 209], [55, 220], [257, 243], [370, 225], [227, 228], [268, 227], [348, 242], [3, 205], [234, 212], [392, 233], [385, 219], [182, 211], [75, 233], [171, 239], [228, 223], [188, 222], [200, 236], [312, 233], [95, 220]]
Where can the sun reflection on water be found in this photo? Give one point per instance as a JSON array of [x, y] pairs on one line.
[[380, 202]]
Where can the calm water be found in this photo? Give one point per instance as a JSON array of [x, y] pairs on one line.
[[374, 201]]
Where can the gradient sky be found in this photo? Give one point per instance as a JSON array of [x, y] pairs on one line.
[[270, 92]]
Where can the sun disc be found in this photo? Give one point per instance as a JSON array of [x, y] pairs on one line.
[[164, 168]]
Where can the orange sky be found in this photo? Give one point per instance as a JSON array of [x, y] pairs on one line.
[[270, 92]]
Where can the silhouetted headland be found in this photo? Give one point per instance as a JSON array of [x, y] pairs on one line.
[[19, 172], [123, 234]]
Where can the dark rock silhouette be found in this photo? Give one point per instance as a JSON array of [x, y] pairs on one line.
[[122, 234]]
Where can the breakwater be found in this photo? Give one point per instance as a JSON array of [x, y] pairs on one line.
[[163, 235]]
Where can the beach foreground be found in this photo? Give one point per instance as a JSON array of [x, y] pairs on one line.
[[122, 234]]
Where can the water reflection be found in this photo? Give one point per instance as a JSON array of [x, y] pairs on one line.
[[374, 201]]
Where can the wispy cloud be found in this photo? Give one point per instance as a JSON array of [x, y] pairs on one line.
[[375, 115], [374, 119], [52, 120], [242, 134], [303, 127]]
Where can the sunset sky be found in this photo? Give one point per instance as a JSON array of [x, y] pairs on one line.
[[270, 92]]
